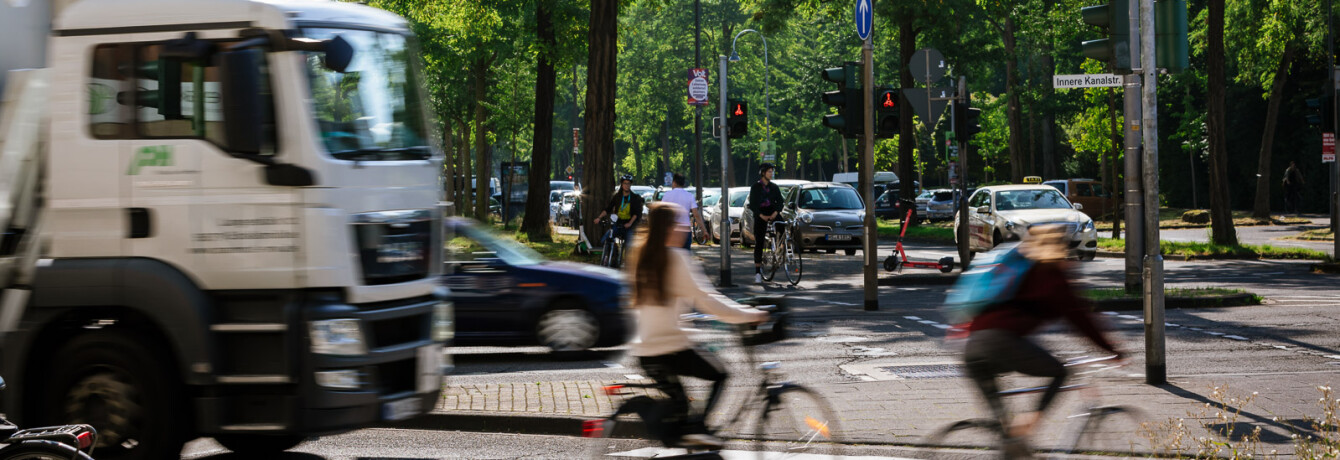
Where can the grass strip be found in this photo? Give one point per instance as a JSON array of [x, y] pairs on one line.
[[1171, 218], [937, 232], [1120, 293], [1205, 250]]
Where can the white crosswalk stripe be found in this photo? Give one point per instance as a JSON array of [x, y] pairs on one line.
[[660, 452]]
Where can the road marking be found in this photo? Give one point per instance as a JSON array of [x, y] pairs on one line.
[[662, 452], [1235, 337], [1171, 325], [913, 318]]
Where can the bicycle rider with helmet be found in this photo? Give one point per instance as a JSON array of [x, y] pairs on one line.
[[765, 200], [625, 204]]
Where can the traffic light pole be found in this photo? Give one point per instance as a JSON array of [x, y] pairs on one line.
[[1330, 89], [725, 193], [964, 251], [868, 176], [1134, 197], [1156, 369]]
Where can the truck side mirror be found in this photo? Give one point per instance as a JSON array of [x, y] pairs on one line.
[[339, 53], [243, 107]]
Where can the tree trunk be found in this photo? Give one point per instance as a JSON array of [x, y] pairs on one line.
[[467, 191], [482, 157], [907, 46], [1221, 210], [449, 163], [1032, 144], [1110, 176], [1013, 112], [637, 159], [535, 222], [1261, 208], [665, 147], [601, 76], [1049, 160]]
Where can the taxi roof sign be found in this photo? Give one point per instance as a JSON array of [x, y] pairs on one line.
[[1032, 179]]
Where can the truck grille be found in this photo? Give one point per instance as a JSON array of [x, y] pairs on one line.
[[394, 246], [402, 330]]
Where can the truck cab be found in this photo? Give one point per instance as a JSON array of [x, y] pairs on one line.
[[240, 229]]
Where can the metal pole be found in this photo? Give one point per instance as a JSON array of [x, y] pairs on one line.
[[1156, 368], [725, 193], [868, 176], [1135, 244], [1335, 166], [964, 254], [698, 111]]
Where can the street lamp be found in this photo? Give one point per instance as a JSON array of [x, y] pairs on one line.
[[735, 57]]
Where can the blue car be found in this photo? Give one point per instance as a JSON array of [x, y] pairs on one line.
[[507, 294]]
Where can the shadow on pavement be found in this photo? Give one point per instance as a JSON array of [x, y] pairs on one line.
[[279, 456], [569, 360]]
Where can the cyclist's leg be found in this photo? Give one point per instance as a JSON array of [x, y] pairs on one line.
[[759, 228], [1028, 358], [662, 369], [702, 364], [979, 358]]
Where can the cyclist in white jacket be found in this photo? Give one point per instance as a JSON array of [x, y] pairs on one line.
[[666, 284]]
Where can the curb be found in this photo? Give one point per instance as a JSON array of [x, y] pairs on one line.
[[1122, 255], [1327, 268], [491, 422], [1133, 304], [920, 279]]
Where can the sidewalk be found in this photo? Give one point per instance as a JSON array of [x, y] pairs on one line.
[[906, 411]]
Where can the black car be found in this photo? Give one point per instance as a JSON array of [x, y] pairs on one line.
[[507, 294]]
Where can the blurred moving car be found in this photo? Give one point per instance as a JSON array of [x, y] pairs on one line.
[[1097, 201], [1005, 212], [738, 195], [747, 216], [507, 294], [827, 215]]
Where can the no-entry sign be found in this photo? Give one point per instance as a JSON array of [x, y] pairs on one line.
[[1327, 147]]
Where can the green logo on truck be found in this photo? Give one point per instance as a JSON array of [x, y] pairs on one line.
[[154, 155]]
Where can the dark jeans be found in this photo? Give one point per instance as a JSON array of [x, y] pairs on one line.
[[666, 370], [760, 239], [992, 352], [1292, 198]]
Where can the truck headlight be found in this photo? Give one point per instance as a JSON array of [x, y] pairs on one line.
[[337, 337], [444, 321]]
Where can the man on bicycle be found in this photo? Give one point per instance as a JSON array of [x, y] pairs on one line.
[[765, 200], [684, 199], [625, 204]]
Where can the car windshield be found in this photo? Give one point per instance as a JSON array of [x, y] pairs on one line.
[[943, 196], [479, 243], [1013, 200], [373, 110], [737, 198], [829, 198]]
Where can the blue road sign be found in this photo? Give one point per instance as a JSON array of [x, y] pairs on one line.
[[864, 19]]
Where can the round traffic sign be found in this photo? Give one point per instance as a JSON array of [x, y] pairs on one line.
[[864, 19]]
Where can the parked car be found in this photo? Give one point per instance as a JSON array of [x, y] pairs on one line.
[[738, 195], [567, 214], [924, 201], [647, 192], [507, 294], [886, 206], [942, 205], [555, 204], [1097, 201], [827, 215], [562, 185], [1005, 212], [747, 216]]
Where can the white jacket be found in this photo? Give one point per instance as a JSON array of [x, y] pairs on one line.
[[658, 328]]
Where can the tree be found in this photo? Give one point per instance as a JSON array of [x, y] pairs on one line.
[[1221, 213], [602, 73], [536, 222]]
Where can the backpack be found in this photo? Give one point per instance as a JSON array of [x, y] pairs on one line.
[[993, 278]]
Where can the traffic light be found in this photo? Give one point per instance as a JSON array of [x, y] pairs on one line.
[[967, 120], [847, 98], [167, 97], [737, 120], [886, 112], [1171, 46], [1320, 112], [1117, 50]]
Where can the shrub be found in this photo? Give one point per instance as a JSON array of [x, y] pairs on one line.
[[1196, 216]]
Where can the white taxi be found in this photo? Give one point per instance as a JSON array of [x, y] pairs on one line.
[[1001, 213]]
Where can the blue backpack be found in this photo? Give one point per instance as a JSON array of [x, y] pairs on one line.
[[994, 277]]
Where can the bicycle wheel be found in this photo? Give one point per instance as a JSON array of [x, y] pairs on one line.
[[770, 261], [616, 255], [970, 433], [796, 422], [1109, 429], [41, 450], [605, 252], [791, 259]]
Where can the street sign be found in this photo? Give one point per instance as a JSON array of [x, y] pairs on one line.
[[768, 151], [1327, 147], [668, 176], [698, 87], [1096, 80], [864, 19], [928, 103], [928, 65]]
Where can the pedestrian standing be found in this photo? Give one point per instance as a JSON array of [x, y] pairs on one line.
[[678, 195], [1293, 188]]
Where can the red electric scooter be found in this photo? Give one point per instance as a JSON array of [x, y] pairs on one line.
[[898, 260]]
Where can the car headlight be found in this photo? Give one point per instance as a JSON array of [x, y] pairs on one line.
[[444, 321], [805, 217], [1009, 225], [337, 337], [1087, 227]]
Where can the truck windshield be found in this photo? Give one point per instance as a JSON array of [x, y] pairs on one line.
[[372, 111]]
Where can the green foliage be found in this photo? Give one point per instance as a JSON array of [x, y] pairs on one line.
[[1199, 250]]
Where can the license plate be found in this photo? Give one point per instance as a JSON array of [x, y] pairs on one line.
[[839, 237], [400, 410], [430, 368]]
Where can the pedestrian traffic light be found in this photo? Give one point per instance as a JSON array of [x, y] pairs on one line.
[[967, 120], [1170, 35], [847, 98], [167, 96], [737, 119], [1320, 112], [886, 112], [1117, 50]]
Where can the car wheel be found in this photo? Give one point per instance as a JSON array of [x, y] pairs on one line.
[[567, 327], [832, 251], [850, 252], [995, 239], [259, 444], [1089, 255]]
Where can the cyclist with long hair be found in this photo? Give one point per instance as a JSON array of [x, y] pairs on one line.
[[666, 283]]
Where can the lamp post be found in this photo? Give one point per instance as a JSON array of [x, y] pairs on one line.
[[735, 57]]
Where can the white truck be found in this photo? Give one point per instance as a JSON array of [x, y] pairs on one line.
[[221, 218]]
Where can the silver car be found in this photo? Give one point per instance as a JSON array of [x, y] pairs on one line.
[[826, 215], [713, 214]]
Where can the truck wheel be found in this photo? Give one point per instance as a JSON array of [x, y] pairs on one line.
[[122, 388], [567, 327], [850, 252], [259, 444]]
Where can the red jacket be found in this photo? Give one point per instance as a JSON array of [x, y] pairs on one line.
[[1046, 294]]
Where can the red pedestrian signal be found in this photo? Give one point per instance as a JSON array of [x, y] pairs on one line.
[[888, 100], [737, 120], [738, 110]]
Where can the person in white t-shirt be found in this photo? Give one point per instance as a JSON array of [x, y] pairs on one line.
[[688, 202], [665, 284]]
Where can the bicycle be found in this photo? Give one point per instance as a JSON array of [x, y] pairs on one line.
[[1092, 417], [786, 412], [611, 255], [700, 235], [66, 442], [779, 250]]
